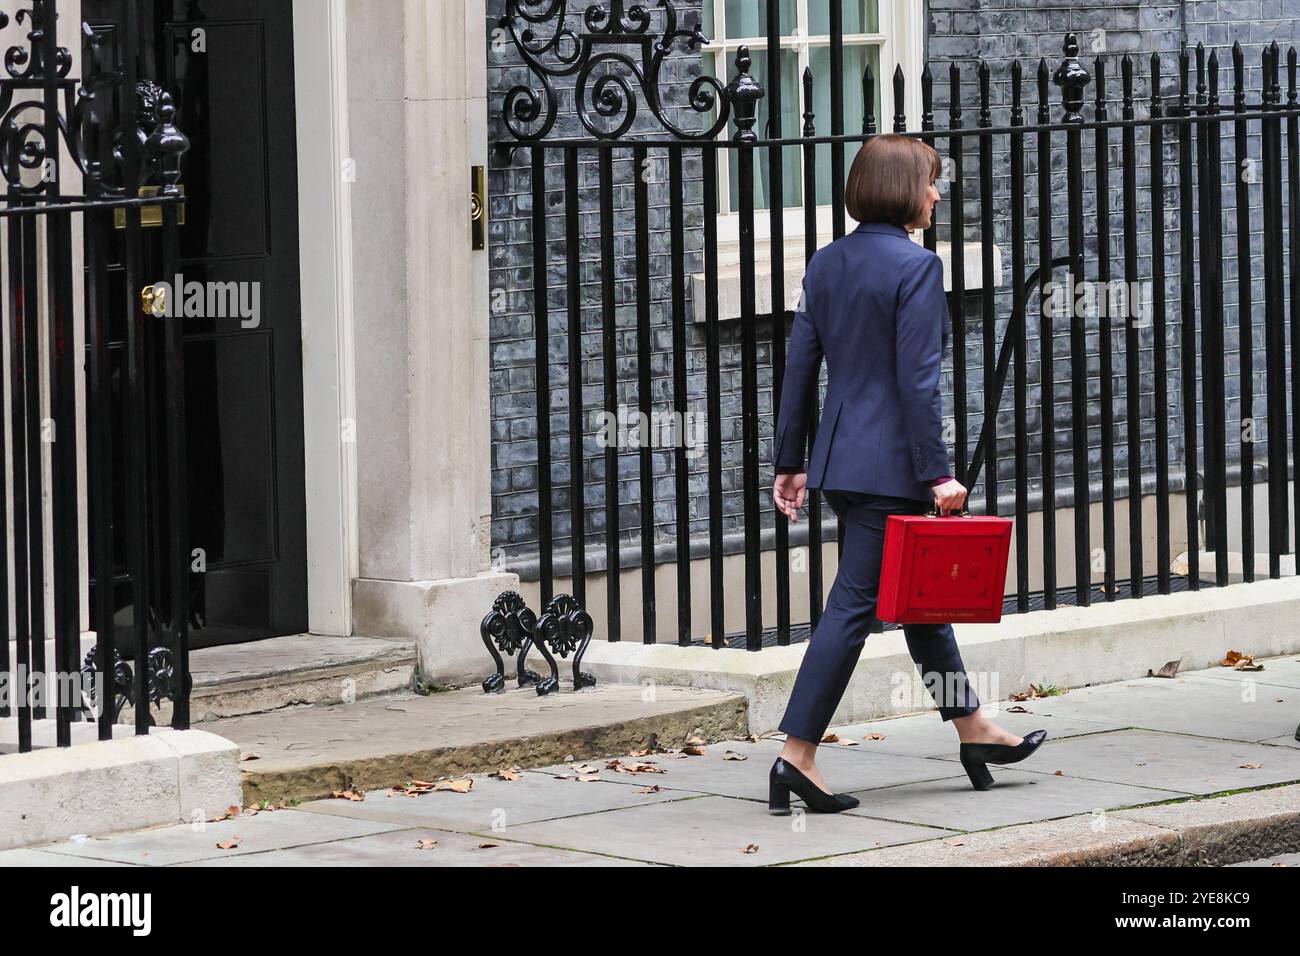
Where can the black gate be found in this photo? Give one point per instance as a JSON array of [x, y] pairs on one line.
[[1189, 196], [91, 165]]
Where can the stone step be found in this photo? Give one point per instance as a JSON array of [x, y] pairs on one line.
[[289, 671], [309, 752], [279, 672]]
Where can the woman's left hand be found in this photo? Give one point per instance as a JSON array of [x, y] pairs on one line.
[[788, 493]]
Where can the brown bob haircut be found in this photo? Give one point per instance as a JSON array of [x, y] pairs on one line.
[[889, 179]]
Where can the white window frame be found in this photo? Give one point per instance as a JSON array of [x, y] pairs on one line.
[[901, 42]]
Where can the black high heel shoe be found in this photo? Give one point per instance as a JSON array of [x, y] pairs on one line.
[[976, 757], [786, 777]]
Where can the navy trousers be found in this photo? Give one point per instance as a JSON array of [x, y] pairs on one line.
[[837, 641]]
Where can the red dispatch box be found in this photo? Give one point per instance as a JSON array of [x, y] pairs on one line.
[[938, 570]]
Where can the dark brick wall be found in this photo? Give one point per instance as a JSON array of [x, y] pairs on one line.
[[961, 31]]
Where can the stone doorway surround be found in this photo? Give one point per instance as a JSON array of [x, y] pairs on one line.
[[393, 115]]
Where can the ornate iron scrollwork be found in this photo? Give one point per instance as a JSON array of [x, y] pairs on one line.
[[508, 629], [23, 119], [565, 628], [121, 686], [612, 35], [161, 678], [87, 110]]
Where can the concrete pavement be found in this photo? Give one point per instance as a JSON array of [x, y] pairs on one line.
[[1200, 768]]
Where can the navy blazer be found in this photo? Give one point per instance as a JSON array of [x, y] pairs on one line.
[[873, 305]]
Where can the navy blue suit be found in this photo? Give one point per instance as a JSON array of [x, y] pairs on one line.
[[874, 308]]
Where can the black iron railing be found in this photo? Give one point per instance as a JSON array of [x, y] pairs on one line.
[[117, 130], [1178, 149]]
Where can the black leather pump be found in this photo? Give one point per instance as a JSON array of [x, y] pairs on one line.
[[786, 777], [976, 757]]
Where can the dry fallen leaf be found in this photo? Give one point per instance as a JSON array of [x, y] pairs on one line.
[[1169, 670], [1250, 766], [1240, 661], [505, 774], [955, 842], [695, 742], [464, 785], [426, 843], [250, 756], [354, 795], [1017, 710], [412, 789], [874, 736], [653, 788], [831, 739], [732, 755], [584, 768], [488, 846], [1058, 773], [230, 844], [590, 778], [694, 751], [750, 848]]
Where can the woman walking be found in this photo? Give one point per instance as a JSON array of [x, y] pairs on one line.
[[874, 307]]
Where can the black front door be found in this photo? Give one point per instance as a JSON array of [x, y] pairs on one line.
[[229, 67]]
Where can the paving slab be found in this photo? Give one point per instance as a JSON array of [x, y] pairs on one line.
[[715, 831], [166, 846], [715, 773], [43, 858], [401, 848], [925, 735], [492, 802], [1242, 709], [1016, 797], [310, 752], [1176, 763]]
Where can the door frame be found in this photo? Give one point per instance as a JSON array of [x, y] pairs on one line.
[[325, 250]]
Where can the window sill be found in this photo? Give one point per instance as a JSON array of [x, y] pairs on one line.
[[729, 275]]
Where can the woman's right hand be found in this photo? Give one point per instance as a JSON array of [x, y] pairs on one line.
[[788, 493], [949, 496]]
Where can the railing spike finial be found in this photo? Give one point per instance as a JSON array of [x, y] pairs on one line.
[[927, 99], [809, 117], [1072, 76], [1274, 64], [1184, 64], [954, 96], [743, 93], [1213, 77], [1238, 77], [1200, 73], [1017, 83], [869, 101], [1157, 103], [900, 100], [1126, 82], [986, 111], [1099, 100], [1044, 87]]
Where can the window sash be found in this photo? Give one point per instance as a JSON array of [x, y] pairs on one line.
[[896, 42]]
